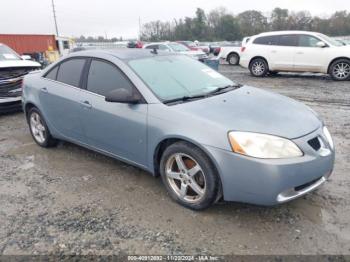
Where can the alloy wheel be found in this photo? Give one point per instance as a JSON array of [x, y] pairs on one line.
[[341, 70], [37, 127], [185, 177], [258, 68]]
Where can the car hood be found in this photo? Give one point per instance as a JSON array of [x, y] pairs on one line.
[[18, 63], [254, 110]]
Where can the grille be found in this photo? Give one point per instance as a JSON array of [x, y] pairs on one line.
[[10, 88], [315, 143]]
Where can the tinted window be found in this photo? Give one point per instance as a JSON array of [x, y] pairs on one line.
[[152, 47], [163, 47], [308, 41], [266, 40], [288, 40], [70, 71], [104, 78], [53, 73]]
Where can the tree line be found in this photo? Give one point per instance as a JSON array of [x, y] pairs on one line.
[[219, 25]]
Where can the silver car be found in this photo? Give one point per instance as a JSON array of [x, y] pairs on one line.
[[206, 136]]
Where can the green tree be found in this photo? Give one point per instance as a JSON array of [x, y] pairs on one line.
[[252, 23]]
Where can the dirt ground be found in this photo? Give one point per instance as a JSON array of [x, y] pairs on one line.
[[68, 200]]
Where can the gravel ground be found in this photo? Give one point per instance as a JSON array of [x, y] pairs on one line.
[[68, 200]]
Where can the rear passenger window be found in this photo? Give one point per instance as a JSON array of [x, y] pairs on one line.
[[104, 78], [52, 74], [70, 71], [288, 40], [152, 47], [266, 40]]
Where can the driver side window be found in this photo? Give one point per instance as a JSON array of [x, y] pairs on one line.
[[308, 41], [104, 78]]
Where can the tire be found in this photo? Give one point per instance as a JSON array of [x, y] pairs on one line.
[[39, 130], [340, 70], [233, 59], [193, 183], [258, 67]]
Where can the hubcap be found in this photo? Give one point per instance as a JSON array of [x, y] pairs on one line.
[[37, 127], [258, 68], [185, 177], [341, 70], [233, 60]]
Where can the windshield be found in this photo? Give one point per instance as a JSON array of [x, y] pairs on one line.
[[172, 77], [178, 47], [7, 54], [330, 40], [189, 43]]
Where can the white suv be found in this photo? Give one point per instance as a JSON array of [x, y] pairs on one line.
[[296, 51]]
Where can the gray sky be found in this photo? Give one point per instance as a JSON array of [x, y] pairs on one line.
[[120, 17]]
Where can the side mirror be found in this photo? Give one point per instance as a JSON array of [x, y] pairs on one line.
[[122, 96], [26, 57], [321, 44]]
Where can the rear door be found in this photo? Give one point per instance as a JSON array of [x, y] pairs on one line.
[[281, 56], [59, 96], [116, 128]]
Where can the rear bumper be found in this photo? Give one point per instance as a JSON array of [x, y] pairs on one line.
[[8, 105], [244, 62], [272, 181]]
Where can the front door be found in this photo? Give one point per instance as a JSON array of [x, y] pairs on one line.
[[116, 128]]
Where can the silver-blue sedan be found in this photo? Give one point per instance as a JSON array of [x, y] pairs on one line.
[[208, 137]]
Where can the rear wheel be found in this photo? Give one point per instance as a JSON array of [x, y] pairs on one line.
[[340, 70], [39, 130], [258, 67], [189, 176], [233, 59]]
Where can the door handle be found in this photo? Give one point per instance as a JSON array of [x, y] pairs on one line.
[[86, 104], [44, 90], [300, 53], [274, 51]]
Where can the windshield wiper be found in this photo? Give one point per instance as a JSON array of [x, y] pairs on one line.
[[184, 99], [228, 88]]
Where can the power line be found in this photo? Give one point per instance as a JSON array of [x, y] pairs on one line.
[[54, 16]]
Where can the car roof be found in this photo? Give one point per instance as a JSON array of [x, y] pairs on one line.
[[122, 53], [287, 32]]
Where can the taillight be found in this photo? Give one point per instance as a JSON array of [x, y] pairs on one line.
[[243, 49]]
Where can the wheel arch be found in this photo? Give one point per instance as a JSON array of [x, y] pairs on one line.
[[231, 53], [335, 59], [27, 107], [256, 57], [166, 142]]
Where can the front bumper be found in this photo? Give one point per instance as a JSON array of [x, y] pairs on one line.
[[273, 181], [8, 105]]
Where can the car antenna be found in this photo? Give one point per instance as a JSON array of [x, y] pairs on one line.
[[154, 51]]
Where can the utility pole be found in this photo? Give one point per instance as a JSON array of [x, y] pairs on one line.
[[140, 28], [54, 16]]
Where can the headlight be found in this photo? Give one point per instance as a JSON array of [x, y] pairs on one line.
[[328, 136], [263, 146]]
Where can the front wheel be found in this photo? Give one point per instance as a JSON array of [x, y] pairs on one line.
[[258, 67], [39, 130], [340, 70], [189, 176]]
